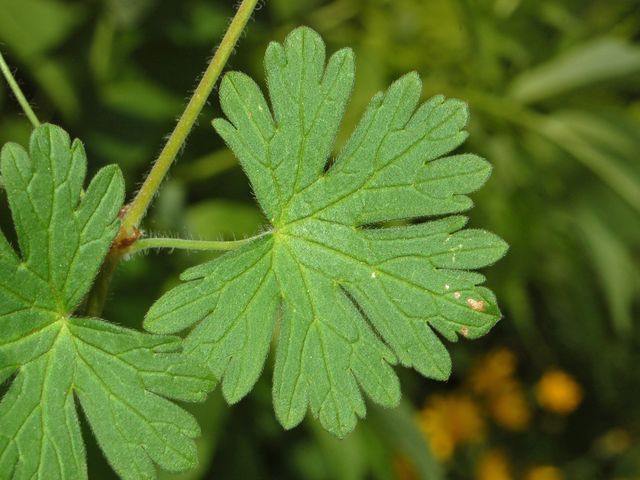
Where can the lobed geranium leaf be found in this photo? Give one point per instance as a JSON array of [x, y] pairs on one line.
[[118, 376], [351, 299]]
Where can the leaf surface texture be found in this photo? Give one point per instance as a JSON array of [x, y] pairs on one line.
[[121, 379], [347, 297]]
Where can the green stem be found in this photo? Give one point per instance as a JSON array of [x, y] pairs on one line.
[[181, 243], [15, 88], [141, 202], [100, 290], [137, 209]]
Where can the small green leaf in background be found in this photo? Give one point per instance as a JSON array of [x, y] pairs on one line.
[[398, 428], [121, 378], [32, 29], [596, 61], [223, 219], [615, 268], [352, 299]]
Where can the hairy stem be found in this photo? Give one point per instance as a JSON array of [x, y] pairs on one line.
[[136, 211], [15, 88], [181, 243], [145, 195]]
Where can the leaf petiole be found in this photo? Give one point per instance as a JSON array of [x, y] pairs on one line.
[[185, 244], [15, 88]]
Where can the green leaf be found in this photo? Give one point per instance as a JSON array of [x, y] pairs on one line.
[[119, 376], [32, 30], [615, 269], [351, 300], [572, 138], [598, 60], [33, 27], [399, 429]]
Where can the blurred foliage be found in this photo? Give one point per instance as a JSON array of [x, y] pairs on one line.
[[553, 87]]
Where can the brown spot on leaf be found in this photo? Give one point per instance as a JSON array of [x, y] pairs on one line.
[[477, 305], [464, 331]]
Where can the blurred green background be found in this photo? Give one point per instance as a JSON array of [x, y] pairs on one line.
[[553, 392]]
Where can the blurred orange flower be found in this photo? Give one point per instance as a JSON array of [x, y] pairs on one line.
[[493, 378], [509, 407], [544, 472], [450, 420], [493, 369], [493, 465], [558, 392]]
